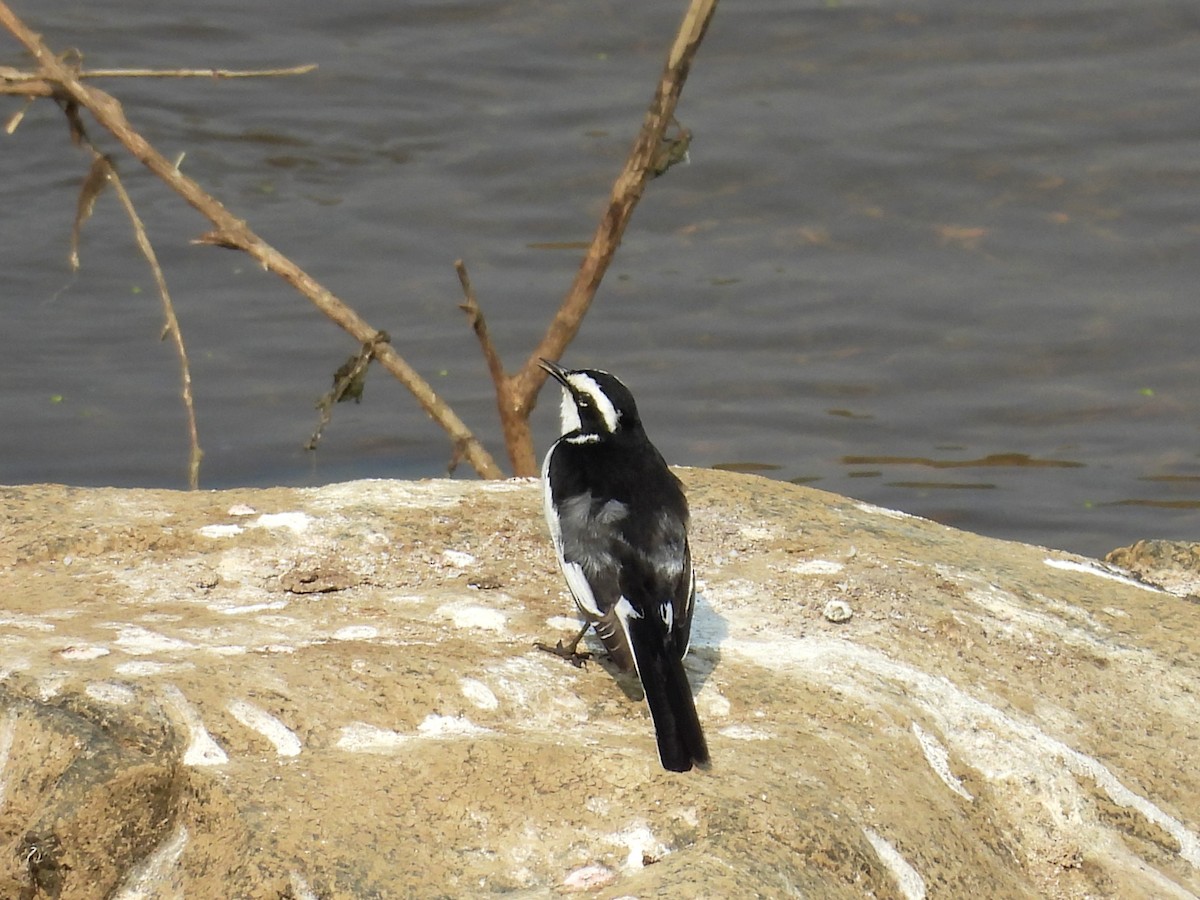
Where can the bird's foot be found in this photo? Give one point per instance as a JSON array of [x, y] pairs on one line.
[[570, 653]]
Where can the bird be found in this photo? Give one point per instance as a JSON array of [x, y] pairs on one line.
[[618, 518]]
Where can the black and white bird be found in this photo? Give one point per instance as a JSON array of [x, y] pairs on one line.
[[619, 522]]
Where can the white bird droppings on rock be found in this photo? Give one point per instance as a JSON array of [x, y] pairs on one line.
[[284, 740], [938, 758], [755, 533], [32, 623], [468, 615], [356, 633], [138, 641], [837, 611], [908, 879], [147, 668], [713, 703], [641, 843], [458, 558], [8, 730], [359, 737], [874, 510], [220, 531], [817, 567], [295, 521], [435, 726], [478, 693], [744, 733], [202, 750], [111, 693], [83, 652], [226, 610], [227, 649], [1091, 567]]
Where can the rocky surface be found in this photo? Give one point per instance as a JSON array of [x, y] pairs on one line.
[[332, 693], [1173, 566]]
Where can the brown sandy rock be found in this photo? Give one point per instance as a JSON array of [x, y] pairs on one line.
[[1171, 565], [332, 693]]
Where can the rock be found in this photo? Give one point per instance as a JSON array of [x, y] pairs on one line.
[[1171, 565], [838, 611], [332, 693]]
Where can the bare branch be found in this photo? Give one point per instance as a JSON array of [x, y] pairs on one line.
[[170, 330], [517, 437], [479, 324], [35, 84], [14, 122], [232, 231]]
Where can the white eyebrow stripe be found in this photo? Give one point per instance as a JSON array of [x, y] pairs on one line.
[[585, 384]]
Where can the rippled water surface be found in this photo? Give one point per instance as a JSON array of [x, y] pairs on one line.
[[939, 256]]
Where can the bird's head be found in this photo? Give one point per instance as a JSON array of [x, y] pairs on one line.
[[594, 403]]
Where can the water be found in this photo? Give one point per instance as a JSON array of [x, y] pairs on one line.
[[938, 256]]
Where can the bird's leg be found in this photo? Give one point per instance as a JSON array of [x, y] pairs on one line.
[[569, 652]]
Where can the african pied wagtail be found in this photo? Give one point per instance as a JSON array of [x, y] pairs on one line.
[[619, 522]]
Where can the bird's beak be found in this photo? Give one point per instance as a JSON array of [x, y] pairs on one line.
[[557, 372]]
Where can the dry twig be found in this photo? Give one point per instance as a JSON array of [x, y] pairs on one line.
[[170, 327], [102, 174], [33, 84]]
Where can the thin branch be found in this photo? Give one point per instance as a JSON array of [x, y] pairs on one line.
[[478, 323], [234, 232], [515, 427], [170, 327], [102, 174], [35, 84], [198, 73]]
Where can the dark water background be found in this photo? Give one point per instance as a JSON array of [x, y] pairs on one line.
[[940, 256]]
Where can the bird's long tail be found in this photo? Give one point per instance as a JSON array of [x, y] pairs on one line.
[[681, 741]]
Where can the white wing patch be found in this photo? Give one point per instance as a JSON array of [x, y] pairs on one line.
[[667, 612], [548, 503], [689, 608], [625, 611], [577, 581], [580, 589], [585, 384]]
